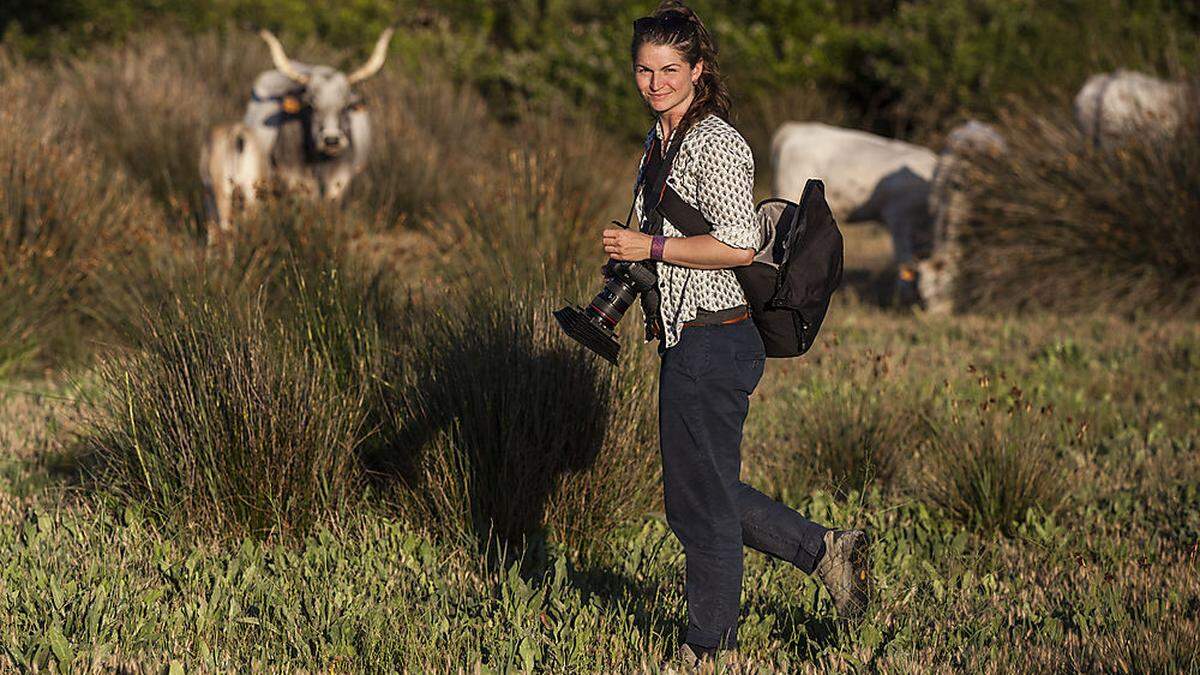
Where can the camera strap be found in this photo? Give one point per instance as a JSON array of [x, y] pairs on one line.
[[661, 200], [651, 183]]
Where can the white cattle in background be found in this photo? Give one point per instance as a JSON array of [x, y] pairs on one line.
[[1116, 105], [949, 207], [867, 177], [305, 130]]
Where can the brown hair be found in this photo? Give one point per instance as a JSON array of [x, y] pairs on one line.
[[674, 24]]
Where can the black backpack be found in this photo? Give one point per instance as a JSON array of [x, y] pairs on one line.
[[792, 278]]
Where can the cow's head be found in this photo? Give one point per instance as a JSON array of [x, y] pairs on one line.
[[327, 95]]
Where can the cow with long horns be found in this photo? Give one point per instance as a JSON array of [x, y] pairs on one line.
[[305, 131]]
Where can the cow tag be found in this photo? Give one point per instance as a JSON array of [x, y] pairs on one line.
[[291, 105]]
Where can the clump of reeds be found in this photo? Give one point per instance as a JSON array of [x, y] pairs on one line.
[[234, 419], [991, 459], [1062, 223], [846, 430]]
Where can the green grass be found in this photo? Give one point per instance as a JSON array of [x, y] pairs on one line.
[[1107, 581]]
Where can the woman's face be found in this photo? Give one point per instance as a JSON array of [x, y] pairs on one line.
[[664, 77]]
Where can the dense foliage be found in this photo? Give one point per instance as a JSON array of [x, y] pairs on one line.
[[898, 66]]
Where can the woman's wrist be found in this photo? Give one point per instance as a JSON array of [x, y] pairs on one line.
[[658, 244]]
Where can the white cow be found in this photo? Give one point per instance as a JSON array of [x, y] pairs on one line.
[[305, 130], [867, 177], [232, 164], [950, 208], [1116, 105]]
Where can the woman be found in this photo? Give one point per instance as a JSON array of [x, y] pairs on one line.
[[712, 356]]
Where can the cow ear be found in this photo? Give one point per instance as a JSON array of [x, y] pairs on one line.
[[291, 104]]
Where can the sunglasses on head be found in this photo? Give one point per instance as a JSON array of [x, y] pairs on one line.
[[669, 22]]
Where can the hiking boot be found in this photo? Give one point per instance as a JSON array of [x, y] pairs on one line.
[[686, 661], [846, 572]]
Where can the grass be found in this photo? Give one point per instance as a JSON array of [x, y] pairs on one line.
[[231, 424], [505, 427], [63, 225], [1089, 586], [989, 462]]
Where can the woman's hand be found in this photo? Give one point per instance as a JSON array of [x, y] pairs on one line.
[[628, 245]]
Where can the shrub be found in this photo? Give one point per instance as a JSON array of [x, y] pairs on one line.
[[229, 420], [1060, 224], [989, 462]]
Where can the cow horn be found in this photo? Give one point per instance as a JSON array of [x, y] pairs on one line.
[[374, 63], [282, 63]]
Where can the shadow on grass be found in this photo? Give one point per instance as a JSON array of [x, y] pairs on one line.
[[488, 414]]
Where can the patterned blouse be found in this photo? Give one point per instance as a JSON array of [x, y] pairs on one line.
[[714, 172]]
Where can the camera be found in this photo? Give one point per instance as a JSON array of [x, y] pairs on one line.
[[594, 327]]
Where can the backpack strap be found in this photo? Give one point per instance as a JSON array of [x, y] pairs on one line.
[[683, 216]]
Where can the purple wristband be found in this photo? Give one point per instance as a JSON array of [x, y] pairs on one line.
[[656, 247]]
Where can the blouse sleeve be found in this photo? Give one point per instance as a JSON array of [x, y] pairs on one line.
[[725, 190]]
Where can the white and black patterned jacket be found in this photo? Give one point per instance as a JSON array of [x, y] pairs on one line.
[[714, 172]]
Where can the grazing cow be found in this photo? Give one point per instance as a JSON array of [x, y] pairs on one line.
[[949, 209], [305, 131], [1116, 105], [867, 177]]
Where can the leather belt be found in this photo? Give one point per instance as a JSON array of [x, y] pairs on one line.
[[722, 317]]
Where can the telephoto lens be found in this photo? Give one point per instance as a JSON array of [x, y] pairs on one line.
[[594, 327]]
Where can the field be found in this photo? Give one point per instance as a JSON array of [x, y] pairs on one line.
[[356, 441]]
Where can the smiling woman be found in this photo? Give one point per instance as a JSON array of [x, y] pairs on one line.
[[697, 175]]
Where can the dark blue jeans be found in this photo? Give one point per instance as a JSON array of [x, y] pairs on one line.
[[703, 397]]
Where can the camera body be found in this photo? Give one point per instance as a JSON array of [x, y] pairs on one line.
[[594, 327]]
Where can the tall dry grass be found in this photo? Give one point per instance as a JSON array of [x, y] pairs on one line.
[[65, 220], [1061, 224], [433, 143], [148, 104]]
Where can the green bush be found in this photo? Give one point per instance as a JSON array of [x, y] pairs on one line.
[[909, 67]]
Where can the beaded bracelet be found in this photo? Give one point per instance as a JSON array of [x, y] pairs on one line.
[[656, 247]]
